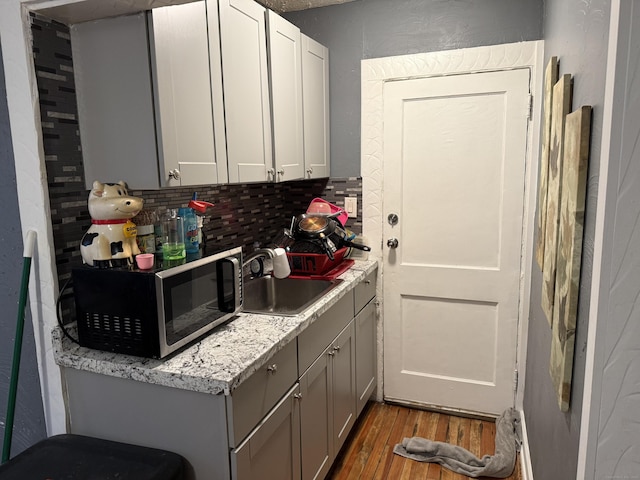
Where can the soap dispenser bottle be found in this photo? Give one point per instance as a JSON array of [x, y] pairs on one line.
[[191, 242]]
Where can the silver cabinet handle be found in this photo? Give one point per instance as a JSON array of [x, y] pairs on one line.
[[331, 353], [174, 174], [281, 171], [272, 369], [297, 396], [336, 348], [392, 243]]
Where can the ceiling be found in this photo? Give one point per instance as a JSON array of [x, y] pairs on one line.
[[78, 11]]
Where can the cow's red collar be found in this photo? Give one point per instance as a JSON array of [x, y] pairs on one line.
[[109, 222]]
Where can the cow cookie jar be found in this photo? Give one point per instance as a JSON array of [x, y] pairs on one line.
[[110, 241]]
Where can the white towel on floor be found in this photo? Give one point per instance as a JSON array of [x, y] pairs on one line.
[[460, 460]]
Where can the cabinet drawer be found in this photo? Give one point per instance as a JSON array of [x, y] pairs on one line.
[[365, 291], [313, 341], [251, 401]]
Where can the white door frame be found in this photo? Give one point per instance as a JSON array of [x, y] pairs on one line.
[[377, 71], [598, 447], [31, 180], [33, 199]]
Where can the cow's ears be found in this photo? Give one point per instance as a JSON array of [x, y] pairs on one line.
[[98, 188], [124, 185]]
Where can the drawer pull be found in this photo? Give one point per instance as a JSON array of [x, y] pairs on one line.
[[367, 282], [336, 348], [331, 353], [272, 369]]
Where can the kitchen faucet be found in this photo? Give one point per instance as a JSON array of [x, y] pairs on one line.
[[280, 264]]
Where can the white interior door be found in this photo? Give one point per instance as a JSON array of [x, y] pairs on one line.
[[454, 165]]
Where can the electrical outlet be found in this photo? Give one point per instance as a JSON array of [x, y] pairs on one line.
[[351, 206]]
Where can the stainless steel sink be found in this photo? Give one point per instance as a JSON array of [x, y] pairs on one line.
[[286, 296]]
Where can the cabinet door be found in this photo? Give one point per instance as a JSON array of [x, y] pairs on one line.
[[344, 391], [316, 414], [115, 102], [285, 72], [184, 118], [272, 450], [365, 325], [246, 90], [315, 89]]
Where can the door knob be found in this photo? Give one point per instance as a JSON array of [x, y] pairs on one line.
[[392, 243], [174, 174]]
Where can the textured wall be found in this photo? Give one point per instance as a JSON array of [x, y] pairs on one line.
[[577, 33], [29, 424], [381, 28], [618, 448]]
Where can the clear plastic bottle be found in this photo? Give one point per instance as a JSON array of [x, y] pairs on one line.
[[173, 247], [157, 229]]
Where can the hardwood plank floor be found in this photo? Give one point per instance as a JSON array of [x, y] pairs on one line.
[[368, 452]]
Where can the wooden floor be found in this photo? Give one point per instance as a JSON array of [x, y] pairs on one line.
[[368, 452]]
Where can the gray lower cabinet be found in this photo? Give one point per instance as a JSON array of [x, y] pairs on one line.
[[272, 450], [366, 354], [327, 407], [287, 421], [365, 324], [257, 395], [191, 424], [316, 410], [344, 385]]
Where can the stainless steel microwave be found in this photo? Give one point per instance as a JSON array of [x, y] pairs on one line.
[[152, 313]]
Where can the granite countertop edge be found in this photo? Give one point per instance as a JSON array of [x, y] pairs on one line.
[[219, 362]]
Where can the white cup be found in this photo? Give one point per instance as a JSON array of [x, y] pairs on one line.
[[281, 268]]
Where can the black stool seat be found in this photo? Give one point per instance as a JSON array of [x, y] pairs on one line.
[[76, 457]]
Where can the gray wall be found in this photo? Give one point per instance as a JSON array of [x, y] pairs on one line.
[[577, 33], [380, 28], [29, 424]]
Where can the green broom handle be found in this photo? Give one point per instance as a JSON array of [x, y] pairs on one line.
[[17, 345]]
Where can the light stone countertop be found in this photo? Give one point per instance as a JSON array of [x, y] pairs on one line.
[[220, 361]]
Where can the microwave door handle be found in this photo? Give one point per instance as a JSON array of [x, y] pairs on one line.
[[237, 273], [236, 302]]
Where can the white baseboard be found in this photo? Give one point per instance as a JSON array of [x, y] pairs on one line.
[[525, 456]]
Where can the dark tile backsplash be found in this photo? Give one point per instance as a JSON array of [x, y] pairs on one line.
[[243, 214]]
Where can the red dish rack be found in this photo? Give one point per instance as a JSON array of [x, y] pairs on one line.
[[318, 265]]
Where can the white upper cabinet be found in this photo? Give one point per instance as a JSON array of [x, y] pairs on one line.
[[285, 70], [115, 101], [155, 112], [188, 96], [246, 90], [315, 91], [148, 77]]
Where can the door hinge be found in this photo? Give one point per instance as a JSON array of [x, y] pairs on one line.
[[530, 107]]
